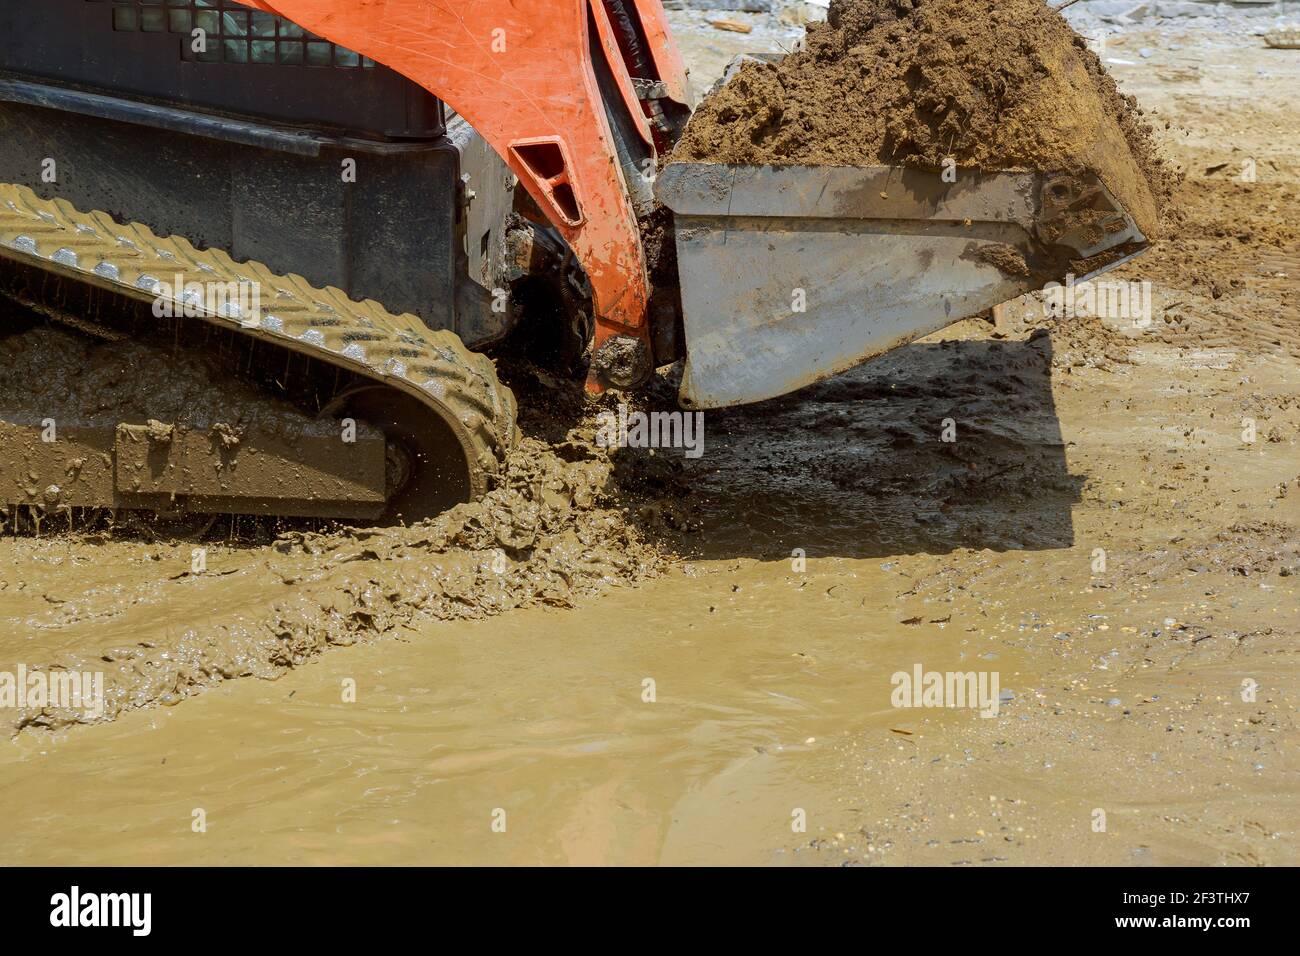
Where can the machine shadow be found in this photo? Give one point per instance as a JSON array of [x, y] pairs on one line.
[[929, 449]]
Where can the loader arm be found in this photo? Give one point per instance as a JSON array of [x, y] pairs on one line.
[[523, 75]]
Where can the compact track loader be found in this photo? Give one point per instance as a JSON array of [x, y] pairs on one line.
[[338, 206]]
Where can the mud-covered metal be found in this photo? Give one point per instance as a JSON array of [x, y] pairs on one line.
[[163, 467], [792, 274]]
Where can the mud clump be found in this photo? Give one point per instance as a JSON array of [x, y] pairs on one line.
[[551, 532], [1007, 259], [991, 84]]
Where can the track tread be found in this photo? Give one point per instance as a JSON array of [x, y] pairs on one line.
[[435, 366]]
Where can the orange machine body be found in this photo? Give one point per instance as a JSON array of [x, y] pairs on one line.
[[521, 72]]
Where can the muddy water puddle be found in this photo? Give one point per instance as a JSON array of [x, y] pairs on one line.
[[540, 714]]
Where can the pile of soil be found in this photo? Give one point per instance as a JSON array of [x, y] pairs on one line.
[[992, 84]]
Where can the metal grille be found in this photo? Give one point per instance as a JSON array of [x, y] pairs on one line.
[[231, 33]]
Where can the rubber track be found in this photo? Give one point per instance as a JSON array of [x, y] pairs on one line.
[[362, 337]]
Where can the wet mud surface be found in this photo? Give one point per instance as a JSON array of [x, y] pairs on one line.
[[419, 680]]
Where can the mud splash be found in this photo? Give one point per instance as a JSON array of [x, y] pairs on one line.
[[557, 526], [993, 84]]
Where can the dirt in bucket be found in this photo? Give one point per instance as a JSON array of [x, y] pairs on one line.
[[991, 84]]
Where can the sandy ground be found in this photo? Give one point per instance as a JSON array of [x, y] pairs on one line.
[[1101, 536]]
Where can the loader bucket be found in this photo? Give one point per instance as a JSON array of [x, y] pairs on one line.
[[791, 274]]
